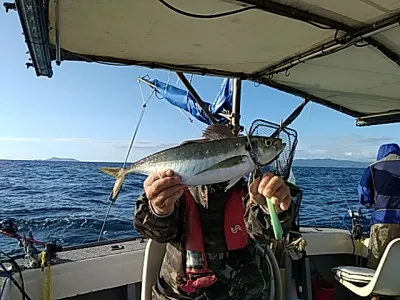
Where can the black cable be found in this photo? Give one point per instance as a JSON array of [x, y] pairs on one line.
[[21, 287], [25, 296], [218, 15], [228, 13], [320, 26]]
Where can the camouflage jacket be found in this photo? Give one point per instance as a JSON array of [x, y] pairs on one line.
[[170, 229]]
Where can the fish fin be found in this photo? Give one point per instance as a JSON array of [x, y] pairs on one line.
[[227, 163], [193, 141], [232, 182], [217, 132], [119, 174], [111, 171]]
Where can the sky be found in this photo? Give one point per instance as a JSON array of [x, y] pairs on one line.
[[89, 111]]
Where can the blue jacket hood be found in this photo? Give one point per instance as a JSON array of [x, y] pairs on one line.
[[386, 149]]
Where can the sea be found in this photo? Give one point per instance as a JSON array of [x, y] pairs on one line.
[[66, 202]]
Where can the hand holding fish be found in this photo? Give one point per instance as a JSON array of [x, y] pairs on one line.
[[163, 189], [273, 187]]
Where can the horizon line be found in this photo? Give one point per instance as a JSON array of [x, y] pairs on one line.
[[69, 159]]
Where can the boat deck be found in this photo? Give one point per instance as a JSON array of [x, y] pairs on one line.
[[113, 269]]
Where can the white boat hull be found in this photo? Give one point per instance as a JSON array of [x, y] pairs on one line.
[[85, 271]]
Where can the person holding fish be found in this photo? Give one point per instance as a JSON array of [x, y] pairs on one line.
[[210, 229], [197, 201]]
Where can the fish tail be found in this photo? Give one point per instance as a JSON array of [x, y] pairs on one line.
[[119, 174]]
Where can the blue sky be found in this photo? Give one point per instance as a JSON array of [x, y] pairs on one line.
[[89, 111]]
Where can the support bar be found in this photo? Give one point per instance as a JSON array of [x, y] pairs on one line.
[[237, 91], [58, 44], [196, 96], [379, 119], [310, 17], [293, 116], [333, 46]]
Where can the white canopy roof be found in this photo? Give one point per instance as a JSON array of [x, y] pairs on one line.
[[344, 54]]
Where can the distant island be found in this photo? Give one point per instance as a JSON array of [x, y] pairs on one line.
[[329, 163], [61, 159]]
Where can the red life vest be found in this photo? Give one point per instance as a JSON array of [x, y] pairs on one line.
[[236, 237]]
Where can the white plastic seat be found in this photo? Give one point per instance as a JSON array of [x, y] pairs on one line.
[[382, 281], [5, 289], [153, 258]]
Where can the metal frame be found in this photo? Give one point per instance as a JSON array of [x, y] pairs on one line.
[[335, 45], [390, 117], [33, 17], [311, 18]]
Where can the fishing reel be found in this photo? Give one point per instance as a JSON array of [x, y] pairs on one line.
[[357, 219], [9, 228]]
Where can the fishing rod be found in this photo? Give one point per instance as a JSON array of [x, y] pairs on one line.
[[9, 229]]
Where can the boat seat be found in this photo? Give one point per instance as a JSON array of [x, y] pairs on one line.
[[153, 258], [382, 281]]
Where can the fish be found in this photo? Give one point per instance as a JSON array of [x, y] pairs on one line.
[[214, 159]]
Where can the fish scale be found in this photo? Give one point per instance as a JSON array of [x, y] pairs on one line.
[[201, 157]]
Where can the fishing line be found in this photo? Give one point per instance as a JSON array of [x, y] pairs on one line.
[[112, 201], [344, 198], [344, 217]]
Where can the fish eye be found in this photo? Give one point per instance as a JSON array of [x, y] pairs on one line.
[[268, 143]]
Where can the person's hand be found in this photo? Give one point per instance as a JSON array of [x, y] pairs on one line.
[[163, 189], [273, 187]]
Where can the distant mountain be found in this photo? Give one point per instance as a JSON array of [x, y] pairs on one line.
[[61, 159], [329, 163]]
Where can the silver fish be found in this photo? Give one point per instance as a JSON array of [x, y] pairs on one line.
[[220, 159]]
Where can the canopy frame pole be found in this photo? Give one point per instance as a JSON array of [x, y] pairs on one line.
[[332, 46], [58, 44], [147, 82], [236, 101], [309, 17], [379, 119], [196, 96]]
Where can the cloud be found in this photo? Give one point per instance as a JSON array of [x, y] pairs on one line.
[[350, 147], [19, 139], [117, 144], [368, 140], [145, 145]]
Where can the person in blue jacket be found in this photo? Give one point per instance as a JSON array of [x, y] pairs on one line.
[[379, 189]]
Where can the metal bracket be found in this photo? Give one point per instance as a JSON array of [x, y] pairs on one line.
[[9, 6], [31, 258]]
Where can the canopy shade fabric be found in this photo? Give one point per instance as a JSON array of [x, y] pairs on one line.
[[344, 54]]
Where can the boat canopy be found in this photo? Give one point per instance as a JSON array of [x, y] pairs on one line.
[[343, 54]]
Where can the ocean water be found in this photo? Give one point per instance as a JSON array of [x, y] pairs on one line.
[[67, 201]]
